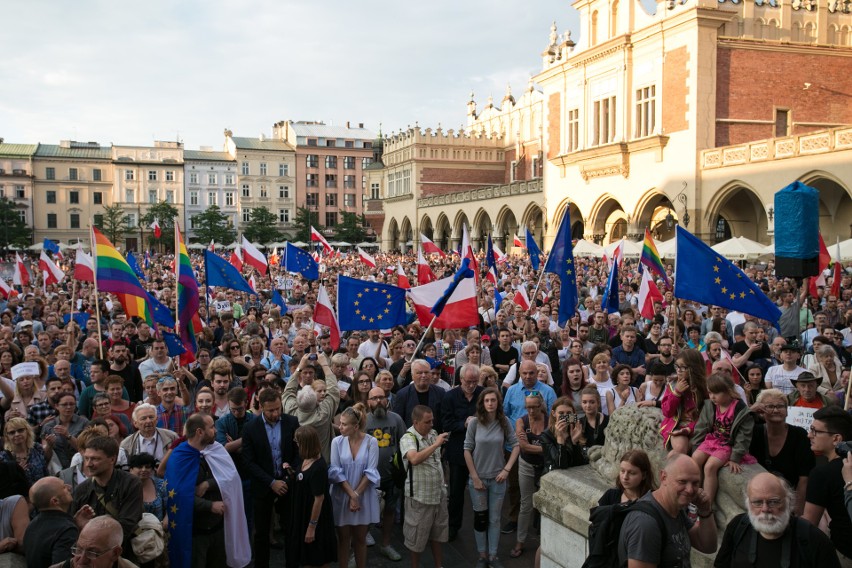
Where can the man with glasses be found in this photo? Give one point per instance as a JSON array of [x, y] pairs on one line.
[[768, 534], [529, 352], [99, 546], [387, 427], [148, 438], [401, 369], [97, 373], [826, 488]]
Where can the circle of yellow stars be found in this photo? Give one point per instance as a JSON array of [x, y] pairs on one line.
[[382, 296], [726, 287]]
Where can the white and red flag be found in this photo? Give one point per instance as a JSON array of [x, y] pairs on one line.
[[461, 309], [158, 232], [424, 271], [517, 242], [324, 315], [401, 279], [366, 258], [429, 247], [253, 257], [84, 268], [317, 237], [236, 259], [521, 298], [52, 273], [5, 290], [21, 277], [648, 294]]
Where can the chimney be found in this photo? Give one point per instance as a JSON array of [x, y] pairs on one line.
[[347, 124], [360, 125]]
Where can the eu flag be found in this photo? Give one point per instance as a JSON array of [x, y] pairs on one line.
[[173, 344], [134, 264], [51, 247], [609, 302], [561, 263], [220, 272], [181, 473], [533, 250], [161, 314], [703, 275], [369, 305], [297, 260], [279, 301]]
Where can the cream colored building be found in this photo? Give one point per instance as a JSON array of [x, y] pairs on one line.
[[211, 179], [73, 182], [16, 178]]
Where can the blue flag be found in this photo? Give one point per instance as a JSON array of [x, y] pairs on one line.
[[297, 260], [50, 246], [220, 272], [533, 250], [134, 264], [464, 271], [279, 301], [703, 275], [609, 302], [561, 263], [369, 305], [173, 344], [161, 314], [181, 473]]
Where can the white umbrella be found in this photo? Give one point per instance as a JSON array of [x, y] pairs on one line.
[[366, 244], [232, 246], [740, 248], [37, 246], [667, 249], [196, 246], [588, 249], [344, 244], [632, 249], [299, 244], [845, 250]]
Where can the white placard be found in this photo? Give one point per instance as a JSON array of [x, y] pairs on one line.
[[222, 306], [800, 416]]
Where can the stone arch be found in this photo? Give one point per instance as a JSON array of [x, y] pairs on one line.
[[607, 219], [835, 205], [459, 222], [505, 227], [593, 29], [533, 218], [796, 31], [480, 230], [651, 212], [405, 234], [613, 19], [773, 29], [809, 32], [759, 26], [443, 232], [734, 27], [739, 206], [393, 235], [845, 34], [426, 228], [578, 224]]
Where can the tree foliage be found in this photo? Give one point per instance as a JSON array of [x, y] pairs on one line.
[[352, 228], [15, 230], [114, 223], [213, 225], [262, 226], [303, 221], [165, 214]]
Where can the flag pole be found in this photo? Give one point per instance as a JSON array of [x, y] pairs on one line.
[[207, 288], [177, 276], [425, 333], [95, 282]]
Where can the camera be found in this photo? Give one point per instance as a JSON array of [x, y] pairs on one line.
[[567, 417], [312, 357], [843, 449]]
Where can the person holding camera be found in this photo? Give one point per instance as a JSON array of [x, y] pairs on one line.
[[528, 430], [560, 442]]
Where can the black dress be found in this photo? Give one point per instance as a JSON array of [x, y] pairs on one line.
[[309, 484]]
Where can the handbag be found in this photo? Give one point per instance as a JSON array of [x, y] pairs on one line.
[[148, 541]]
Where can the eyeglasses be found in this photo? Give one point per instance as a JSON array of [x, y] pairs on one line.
[[814, 431], [774, 407], [235, 347], [164, 379], [378, 398], [531, 393], [13, 432], [90, 554], [66, 404], [771, 503]]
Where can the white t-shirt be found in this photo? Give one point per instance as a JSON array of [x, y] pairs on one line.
[[779, 378]]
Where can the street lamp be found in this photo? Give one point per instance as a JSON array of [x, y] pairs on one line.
[[683, 200]]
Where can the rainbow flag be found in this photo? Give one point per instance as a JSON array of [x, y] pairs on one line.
[[187, 298], [651, 258], [113, 274]]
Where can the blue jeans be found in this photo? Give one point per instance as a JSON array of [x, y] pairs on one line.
[[490, 499]]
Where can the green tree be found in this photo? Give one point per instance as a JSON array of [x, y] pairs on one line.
[[114, 223], [303, 221], [15, 230], [213, 225], [261, 227], [352, 228], [165, 214]]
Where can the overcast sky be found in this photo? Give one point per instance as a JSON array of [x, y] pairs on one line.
[[131, 73]]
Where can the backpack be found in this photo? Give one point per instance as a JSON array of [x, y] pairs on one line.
[[605, 531], [399, 472], [799, 530]]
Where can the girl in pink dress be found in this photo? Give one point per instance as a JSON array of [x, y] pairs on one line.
[[723, 433], [682, 400]]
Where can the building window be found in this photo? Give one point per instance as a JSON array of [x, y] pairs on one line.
[[74, 197], [246, 215], [782, 122], [246, 190], [50, 197], [152, 196], [368, 145], [536, 164], [513, 168], [193, 198], [211, 179], [349, 144], [97, 198], [170, 175], [170, 196], [129, 196], [331, 180], [51, 220], [20, 192], [366, 162], [75, 220], [283, 215], [331, 162], [191, 223], [22, 215], [152, 175], [375, 191], [331, 200], [72, 174], [349, 200], [193, 178], [312, 199], [604, 125], [330, 219], [283, 170], [349, 182], [312, 161], [312, 141], [50, 173], [229, 198], [131, 220], [349, 162], [263, 192], [99, 220], [312, 180], [573, 140], [229, 179], [263, 168], [331, 143], [645, 111], [245, 168], [129, 175], [283, 192], [96, 175], [211, 199]]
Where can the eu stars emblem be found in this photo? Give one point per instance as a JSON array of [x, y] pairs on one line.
[[367, 305]]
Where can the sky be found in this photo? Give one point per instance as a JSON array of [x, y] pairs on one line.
[[131, 73]]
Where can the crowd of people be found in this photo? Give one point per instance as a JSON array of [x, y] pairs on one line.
[[287, 442]]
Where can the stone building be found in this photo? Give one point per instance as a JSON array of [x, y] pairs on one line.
[[211, 179]]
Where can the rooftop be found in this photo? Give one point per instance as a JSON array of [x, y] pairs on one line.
[[207, 156], [322, 130], [85, 150], [260, 144], [17, 150]]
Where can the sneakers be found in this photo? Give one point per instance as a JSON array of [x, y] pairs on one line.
[[509, 528], [482, 563], [370, 540], [389, 553], [495, 563]]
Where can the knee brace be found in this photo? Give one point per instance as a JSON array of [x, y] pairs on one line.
[[480, 520]]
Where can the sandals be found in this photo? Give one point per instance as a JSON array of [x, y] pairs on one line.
[[517, 551]]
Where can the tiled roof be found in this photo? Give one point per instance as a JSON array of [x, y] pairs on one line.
[[258, 144], [207, 156], [17, 150], [326, 131], [56, 151]]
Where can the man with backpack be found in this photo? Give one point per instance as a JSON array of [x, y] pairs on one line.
[[663, 535], [769, 536]]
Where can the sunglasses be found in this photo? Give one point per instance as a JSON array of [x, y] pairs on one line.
[[13, 432]]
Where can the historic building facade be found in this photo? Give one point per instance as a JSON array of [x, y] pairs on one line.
[[16, 177], [211, 179]]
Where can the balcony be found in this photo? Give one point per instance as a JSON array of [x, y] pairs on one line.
[[485, 193], [800, 145]]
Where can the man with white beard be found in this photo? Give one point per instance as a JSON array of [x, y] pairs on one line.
[[768, 536]]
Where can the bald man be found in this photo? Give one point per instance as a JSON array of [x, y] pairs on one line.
[[641, 543], [767, 535], [99, 546], [53, 532]]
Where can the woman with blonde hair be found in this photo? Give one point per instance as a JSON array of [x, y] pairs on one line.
[[20, 447], [27, 391]]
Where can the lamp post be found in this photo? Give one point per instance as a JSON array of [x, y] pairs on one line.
[[682, 198]]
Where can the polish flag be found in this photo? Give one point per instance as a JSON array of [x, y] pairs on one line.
[[324, 315], [401, 279], [316, 256], [212, 247], [52, 273], [317, 237], [429, 247], [499, 256], [467, 252], [366, 258], [491, 275], [648, 294], [838, 274], [236, 259], [517, 242], [21, 277], [521, 298], [824, 262], [254, 257], [5, 290], [84, 269], [424, 271], [253, 283], [461, 309], [158, 232]]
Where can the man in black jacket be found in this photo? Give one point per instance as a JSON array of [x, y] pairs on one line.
[[268, 454], [420, 391], [52, 533]]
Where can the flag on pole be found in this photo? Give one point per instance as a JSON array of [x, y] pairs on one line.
[[20, 277], [317, 237], [561, 263], [424, 271], [134, 265], [212, 247], [467, 252], [534, 251], [517, 242], [5, 290], [236, 259], [609, 302], [521, 298], [221, 273], [651, 258], [273, 258], [401, 279], [147, 259], [369, 305], [187, 299], [52, 273], [253, 257], [366, 258], [297, 260], [838, 274], [499, 255], [84, 270], [253, 283], [648, 295], [52, 248], [491, 261], [324, 315], [158, 232], [429, 247], [279, 301], [115, 275]]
